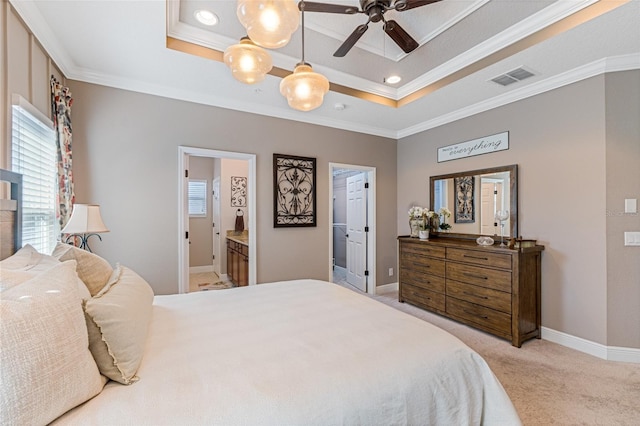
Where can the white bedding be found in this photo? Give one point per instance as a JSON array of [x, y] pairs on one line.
[[301, 352]]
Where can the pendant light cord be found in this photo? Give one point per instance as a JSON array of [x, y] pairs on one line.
[[302, 9]]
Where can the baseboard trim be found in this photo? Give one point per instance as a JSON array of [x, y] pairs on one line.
[[386, 288], [223, 277], [200, 269], [610, 353]]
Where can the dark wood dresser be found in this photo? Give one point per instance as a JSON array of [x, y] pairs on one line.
[[491, 288]]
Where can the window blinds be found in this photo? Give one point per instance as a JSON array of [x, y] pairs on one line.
[[197, 197], [33, 154]]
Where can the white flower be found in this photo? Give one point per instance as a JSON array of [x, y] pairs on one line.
[[445, 212], [416, 212]]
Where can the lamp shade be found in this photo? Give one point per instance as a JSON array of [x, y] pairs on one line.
[[248, 63], [269, 23], [85, 219], [304, 89]]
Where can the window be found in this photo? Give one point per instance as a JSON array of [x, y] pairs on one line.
[[34, 155], [197, 197]]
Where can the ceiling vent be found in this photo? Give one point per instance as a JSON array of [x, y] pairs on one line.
[[513, 76]]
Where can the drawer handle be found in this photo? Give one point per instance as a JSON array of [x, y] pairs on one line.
[[474, 314], [475, 295], [482, 277], [420, 265], [475, 257]]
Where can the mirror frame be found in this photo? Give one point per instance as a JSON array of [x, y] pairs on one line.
[[513, 191]]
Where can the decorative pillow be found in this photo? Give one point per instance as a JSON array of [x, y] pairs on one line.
[[20, 259], [46, 367], [23, 265], [93, 270], [118, 323]]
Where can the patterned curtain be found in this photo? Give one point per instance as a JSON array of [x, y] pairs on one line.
[[61, 102]]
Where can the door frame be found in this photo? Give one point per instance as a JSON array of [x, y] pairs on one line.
[[183, 215], [371, 220]]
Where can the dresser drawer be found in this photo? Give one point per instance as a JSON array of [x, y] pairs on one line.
[[480, 315], [429, 299], [489, 278], [494, 299], [422, 280], [425, 265], [422, 249], [482, 258]]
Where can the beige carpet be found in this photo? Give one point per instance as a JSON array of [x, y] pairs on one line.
[[550, 384]]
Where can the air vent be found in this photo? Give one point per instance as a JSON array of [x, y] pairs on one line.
[[513, 76]]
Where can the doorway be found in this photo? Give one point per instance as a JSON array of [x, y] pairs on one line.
[[351, 230], [215, 229]]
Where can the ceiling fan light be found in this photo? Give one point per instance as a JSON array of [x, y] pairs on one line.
[[249, 63], [304, 89], [269, 23]]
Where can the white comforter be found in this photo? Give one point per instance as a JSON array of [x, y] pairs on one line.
[[299, 352]]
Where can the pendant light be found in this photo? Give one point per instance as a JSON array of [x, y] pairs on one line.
[[304, 89], [248, 63], [269, 23]]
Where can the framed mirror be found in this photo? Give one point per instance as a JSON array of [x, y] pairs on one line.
[[475, 198]]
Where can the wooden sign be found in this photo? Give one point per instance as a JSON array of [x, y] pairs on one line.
[[485, 145]]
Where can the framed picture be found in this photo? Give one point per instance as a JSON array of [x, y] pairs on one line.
[[464, 205], [294, 191], [238, 191]]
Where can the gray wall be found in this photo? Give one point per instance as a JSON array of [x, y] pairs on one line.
[[126, 159], [26, 69], [568, 144], [623, 181]]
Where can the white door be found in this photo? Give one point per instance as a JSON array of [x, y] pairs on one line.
[[216, 225], [356, 237], [491, 200]]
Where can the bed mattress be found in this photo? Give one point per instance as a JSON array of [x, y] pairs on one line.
[[301, 352]]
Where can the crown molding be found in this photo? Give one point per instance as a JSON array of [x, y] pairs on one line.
[[30, 14], [602, 66], [521, 30], [198, 97]]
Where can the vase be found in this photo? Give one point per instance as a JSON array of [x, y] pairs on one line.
[[414, 225], [423, 234]]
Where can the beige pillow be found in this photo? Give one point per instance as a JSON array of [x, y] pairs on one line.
[[93, 270], [118, 323], [46, 366], [24, 265], [20, 259]]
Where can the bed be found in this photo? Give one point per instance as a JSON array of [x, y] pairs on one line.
[[92, 345]]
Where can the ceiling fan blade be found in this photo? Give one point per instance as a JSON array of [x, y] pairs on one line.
[[327, 8], [401, 5], [400, 36], [351, 40]]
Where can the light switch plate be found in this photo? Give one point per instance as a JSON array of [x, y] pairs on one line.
[[632, 238], [631, 205]]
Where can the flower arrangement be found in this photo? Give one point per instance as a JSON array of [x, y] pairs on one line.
[[444, 213], [421, 214]]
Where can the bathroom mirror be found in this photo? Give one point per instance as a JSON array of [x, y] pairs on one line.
[[474, 197]]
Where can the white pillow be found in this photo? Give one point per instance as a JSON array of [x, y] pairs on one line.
[[45, 364], [118, 322]]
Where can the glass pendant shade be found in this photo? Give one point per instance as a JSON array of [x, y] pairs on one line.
[[249, 63], [304, 89], [269, 23]]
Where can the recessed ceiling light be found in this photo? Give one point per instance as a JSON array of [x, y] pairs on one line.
[[393, 79], [206, 17]]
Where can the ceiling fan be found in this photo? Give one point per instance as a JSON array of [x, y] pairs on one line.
[[375, 10]]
